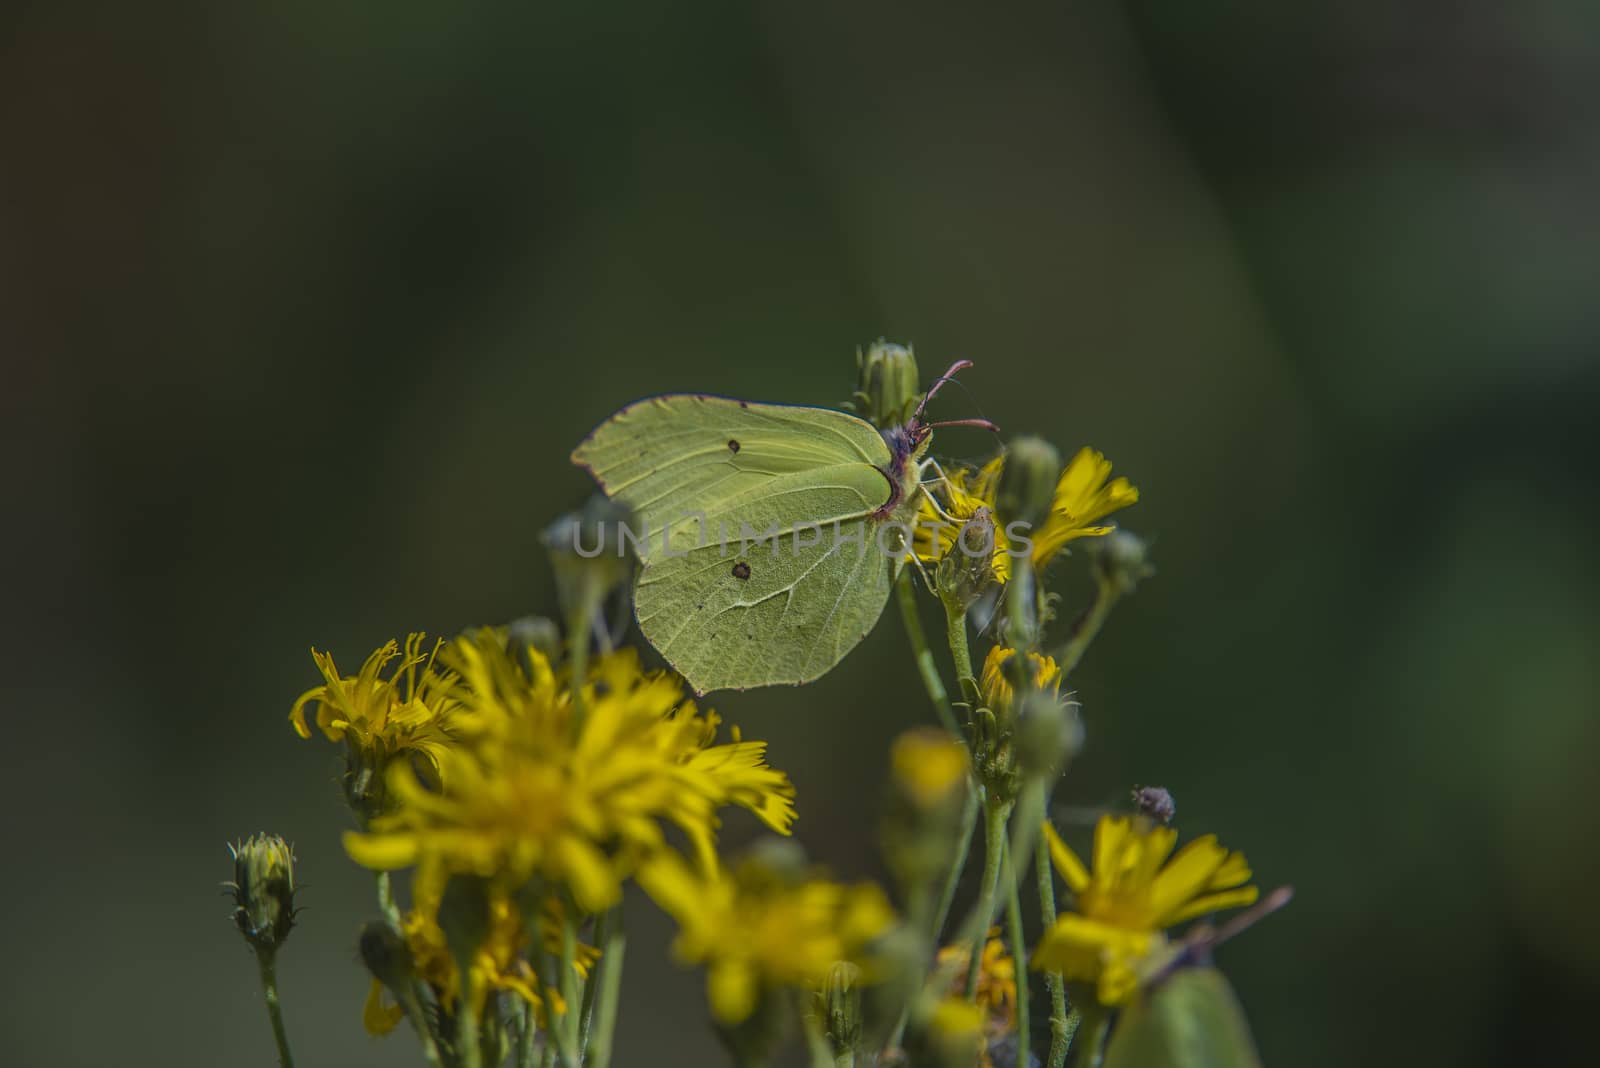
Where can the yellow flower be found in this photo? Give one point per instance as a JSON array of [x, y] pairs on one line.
[[956, 1028], [937, 529], [539, 792], [409, 710], [997, 975], [927, 764], [498, 967], [1122, 908], [754, 929], [1082, 498], [996, 685]]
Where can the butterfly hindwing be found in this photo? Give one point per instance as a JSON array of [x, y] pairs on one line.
[[760, 561]]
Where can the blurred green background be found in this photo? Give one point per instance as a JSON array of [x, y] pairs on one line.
[[305, 304]]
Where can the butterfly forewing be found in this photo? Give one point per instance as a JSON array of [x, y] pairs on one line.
[[760, 557], [672, 456]]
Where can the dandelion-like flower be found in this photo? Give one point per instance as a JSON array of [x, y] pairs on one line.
[[576, 801], [378, 717], [995, 683], [498, 965], [997, 986], [1121, 909], [755, 929], [1083, 497]]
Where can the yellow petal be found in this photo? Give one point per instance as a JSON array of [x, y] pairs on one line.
[[732, 989], [376, 1017], [1185, 876], [381, 852], [1227, 899], [1066, 861]]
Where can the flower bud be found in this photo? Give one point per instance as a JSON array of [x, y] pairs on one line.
[[1048, 733], [928, 766], [387, 956], [928, 774], [464, 917], [1028, 482], [263, 890], [533, 632], [588, 550], [1122, 559], [954, 1035], [841, 1007], [888, 387], [966, 571]]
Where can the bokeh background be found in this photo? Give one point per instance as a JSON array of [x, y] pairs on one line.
[[304, 305]]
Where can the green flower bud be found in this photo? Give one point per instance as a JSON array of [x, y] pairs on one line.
[[1122, 559], [966, 571], [928, 785], [1028, 482], [387, 957], [888, 387], [588, 550], [263, 890], [464, 917], [535, 632], [841, 1005], [1048, 733]]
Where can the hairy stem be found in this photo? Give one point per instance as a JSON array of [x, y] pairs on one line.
[[1089, 1043], [906, 594], [268, 962], [1019, 955], [1059, 1035], [1087, 626], [955, 618], [976, 928]]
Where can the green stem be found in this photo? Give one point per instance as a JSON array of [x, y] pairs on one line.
[[955, 619], [578, 627], [1094, 1023], [816, 1042], [555, 1031], [591, 985], [605, 1022], [391, 911], [976, 929], [1088, 625], [1019, 955], [469, 1049], [926, 667], [947, 894], [525, 1036], [268, 961], [1059, 1036], [570, 997]]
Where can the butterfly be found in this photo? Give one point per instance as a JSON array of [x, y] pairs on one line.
[[768, 534]]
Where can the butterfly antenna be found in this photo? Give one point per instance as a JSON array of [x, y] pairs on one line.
[[938, 384]]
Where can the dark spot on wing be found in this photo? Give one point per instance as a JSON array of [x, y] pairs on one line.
[[742, 404], [733, 444], [741, 570]]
